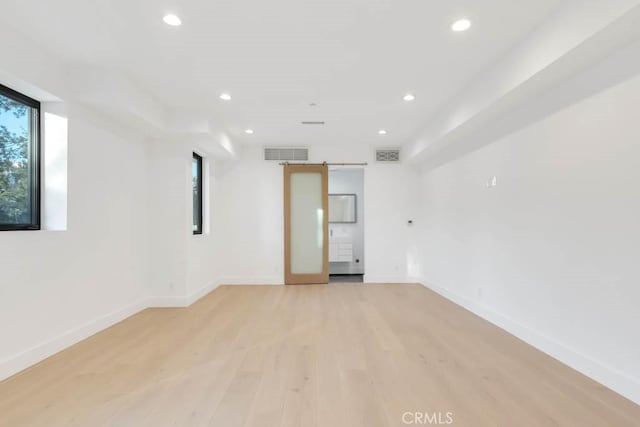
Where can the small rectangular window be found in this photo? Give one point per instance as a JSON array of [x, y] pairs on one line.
[[19, 161], [196, 168]]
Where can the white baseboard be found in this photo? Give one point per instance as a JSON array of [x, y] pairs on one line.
[[257, 280], [203, 291], [607, 375], [374, 278], [167, 302], [38, 353], [181, 301]]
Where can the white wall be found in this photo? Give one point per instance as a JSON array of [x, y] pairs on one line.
[[251, 223], [205, 252], [170, 205], [89, 267], [185, 266], [551, 253], [58, 286], [390, 242], [124, 242], [243, 243]]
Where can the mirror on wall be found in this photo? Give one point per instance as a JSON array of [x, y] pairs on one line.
[[342, 208]]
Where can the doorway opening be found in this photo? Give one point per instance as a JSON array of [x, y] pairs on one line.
[[346, 278], [346, 225]]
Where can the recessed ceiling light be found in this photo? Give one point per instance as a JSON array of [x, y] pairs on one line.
[[409, 97], [382, 132], [249, 131], [171, 19], [461, 25], [225, 97]]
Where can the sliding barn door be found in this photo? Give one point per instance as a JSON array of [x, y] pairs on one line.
[[306, 248]]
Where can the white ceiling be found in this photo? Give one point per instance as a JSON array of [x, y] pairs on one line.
[[354, 58]]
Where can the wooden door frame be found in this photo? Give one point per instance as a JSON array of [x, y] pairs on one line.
[[305, 279]]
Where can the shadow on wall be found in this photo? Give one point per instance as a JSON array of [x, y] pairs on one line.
[[55, 149]]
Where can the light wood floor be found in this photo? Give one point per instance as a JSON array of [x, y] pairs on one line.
[[336, 355]]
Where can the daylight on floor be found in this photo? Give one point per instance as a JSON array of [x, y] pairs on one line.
[[319, 213]]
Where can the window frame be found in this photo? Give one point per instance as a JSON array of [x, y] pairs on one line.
[[35, 162], [199, 185]]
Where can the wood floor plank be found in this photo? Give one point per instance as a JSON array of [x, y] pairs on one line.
[[343, 355]]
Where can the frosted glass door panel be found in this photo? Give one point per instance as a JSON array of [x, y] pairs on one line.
[[306, 255], [307, 223]]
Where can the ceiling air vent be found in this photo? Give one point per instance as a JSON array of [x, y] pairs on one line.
[[388, 155], [286, 154]]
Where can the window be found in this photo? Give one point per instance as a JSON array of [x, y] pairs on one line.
[[196, 168], [19, 161]]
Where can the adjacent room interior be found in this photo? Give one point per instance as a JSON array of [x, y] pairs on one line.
[[319, 213], [346, 225]]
